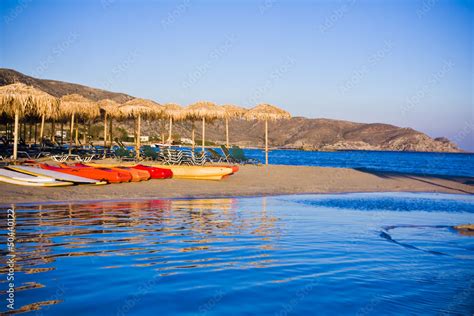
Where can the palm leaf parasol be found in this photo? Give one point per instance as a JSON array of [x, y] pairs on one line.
[[75, 104], [231, 112], [173, 112], [138, 108], [19, 99], [204, 110], [111, 109], [266, 112]]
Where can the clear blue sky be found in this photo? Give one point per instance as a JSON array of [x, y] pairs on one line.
[[407, 63]]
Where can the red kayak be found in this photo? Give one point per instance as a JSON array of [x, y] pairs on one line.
[[156, 173], [101, 175]]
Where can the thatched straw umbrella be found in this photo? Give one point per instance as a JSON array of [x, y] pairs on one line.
[[231, 112], [137, 108], [111, 109], [173, 112], [19, 99], [266, 112], [72, 104], [204, 110]]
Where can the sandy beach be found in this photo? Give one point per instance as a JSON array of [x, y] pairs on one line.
[[249, 181]]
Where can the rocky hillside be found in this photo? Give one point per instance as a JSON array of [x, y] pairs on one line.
[[298, 132], [60, 88]]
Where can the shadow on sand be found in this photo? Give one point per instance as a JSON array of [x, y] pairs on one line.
[[425, 178]]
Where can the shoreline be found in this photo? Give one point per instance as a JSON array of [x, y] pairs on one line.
[[249, 181]]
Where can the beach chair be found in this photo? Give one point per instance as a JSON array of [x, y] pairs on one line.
[[197, 158], [171, 156], [124, 154], [148, 153], [227, 155], [215, 156], [238, 155]]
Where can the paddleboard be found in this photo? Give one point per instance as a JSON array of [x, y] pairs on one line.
[[24, 177], [34, 184], [53, 174]]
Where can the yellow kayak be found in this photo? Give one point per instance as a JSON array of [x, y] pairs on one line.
[[181, 172], [197, 172]]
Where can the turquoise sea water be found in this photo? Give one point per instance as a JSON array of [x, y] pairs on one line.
[[349, 254]]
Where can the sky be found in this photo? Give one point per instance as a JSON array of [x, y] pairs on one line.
[[402, 62]]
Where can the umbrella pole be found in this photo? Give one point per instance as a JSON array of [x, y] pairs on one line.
[[138, 137], [62, 133], [105, 131], [15, 136], [42, 130], [227, 131], [266, 142], [171, 130], [111, 133], [36, 132], [71, 133], [84, 134], [30, 132], [203, 132], [193, 136], [77, 133], [53, 130]]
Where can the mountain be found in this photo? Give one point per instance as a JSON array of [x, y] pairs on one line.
[[298, 132], [60, 88]]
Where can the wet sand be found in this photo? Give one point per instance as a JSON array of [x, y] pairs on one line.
[[249, 181]]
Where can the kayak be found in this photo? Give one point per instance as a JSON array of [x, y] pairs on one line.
[[97, 174], [135, 174], [29, 170], [155, 173], [234, 168], [188, 172], [183, 172], [123, 175], [12, 177], [198, 172]]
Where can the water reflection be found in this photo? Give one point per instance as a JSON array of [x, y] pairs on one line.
[[275, 255], [150, 234]]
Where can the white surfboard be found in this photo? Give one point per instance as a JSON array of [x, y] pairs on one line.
[[24, 177], [53, 174]]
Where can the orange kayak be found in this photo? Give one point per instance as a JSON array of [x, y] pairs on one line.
[[108, 175], [123, 174], [135, 174]]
